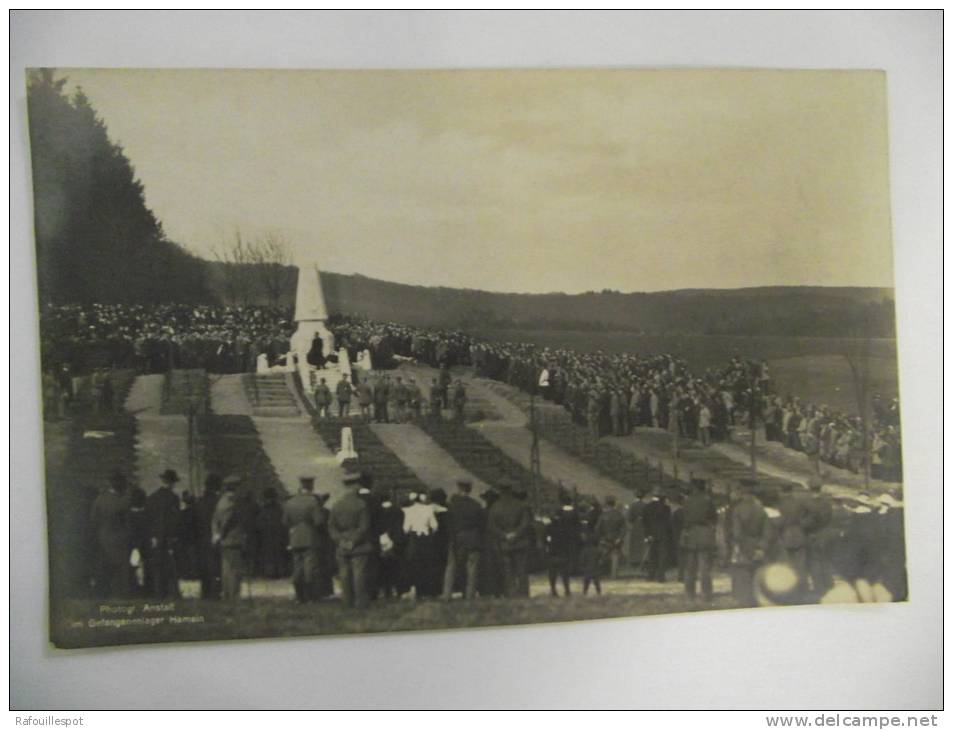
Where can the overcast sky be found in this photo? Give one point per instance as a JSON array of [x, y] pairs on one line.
[[521, 181]]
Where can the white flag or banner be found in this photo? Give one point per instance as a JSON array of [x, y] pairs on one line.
[[544, 378]]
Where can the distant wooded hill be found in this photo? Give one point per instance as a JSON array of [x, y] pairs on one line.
[[795, 311]]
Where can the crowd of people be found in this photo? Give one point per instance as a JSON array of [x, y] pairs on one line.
[[383, 545], [613, 393], [609, 393], [155, 338]]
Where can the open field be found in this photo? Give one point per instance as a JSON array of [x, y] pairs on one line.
[[85, 623], [813, 368]]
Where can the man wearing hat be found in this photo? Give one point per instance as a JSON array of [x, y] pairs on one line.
[[698, 539], [467, 522], [303, 516], [109, 517], [350, 527], [509, 524], [749, 534], [230, 536], [163, 523]]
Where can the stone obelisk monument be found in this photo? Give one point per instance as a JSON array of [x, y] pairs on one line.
[[311, 313]]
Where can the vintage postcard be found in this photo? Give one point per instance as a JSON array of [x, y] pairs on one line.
[[335, 352]]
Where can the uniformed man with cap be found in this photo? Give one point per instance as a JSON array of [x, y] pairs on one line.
[[467, 521], [698, 539], [749, 535], [229, 534], [303, 516], [509, 524], [819, 535], [350, 528]]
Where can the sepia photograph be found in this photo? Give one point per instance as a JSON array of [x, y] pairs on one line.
[[336, 352]]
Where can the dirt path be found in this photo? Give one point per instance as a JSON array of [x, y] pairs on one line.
[[431, 463], [538, 588], [162, 442]]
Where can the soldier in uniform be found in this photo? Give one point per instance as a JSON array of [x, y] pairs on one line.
[[343, 392], [698, 539], [657, 522], [400, 399], [322, 399], [414, 398], [459, 401], [749, 536], [109, 517], [303, 516], [381, 398], [350, 527], [230, 535], [163, 520], [365, 398], [792, 538], [562, 544], [820, 535], [509, 524], [610, 530], [467, 521], [436, 402]]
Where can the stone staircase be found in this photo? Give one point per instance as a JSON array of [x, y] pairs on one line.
[[270, 395]]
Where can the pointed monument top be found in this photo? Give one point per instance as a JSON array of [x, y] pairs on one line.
[[309, 301]]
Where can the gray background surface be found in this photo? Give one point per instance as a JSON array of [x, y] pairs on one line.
[[873, 657]]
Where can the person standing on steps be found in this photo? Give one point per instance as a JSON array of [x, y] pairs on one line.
[[322, 399], [381, 397], [365, 398], [343, 392], [459, 401]]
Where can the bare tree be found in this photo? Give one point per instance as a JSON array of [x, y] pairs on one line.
[[237, 260], [272, 254]]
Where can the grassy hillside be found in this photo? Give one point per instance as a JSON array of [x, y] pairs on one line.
[[787, 311]]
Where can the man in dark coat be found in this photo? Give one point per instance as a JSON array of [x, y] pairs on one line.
[[509, 524], [610, 530], [698, 539], [210, 569], [562, 538], [322, 399], [387, 524], [110, 521], [350, 528], [490, 582], [381, 398], [467, 522], [163, 520], [272, 536], [794, 507], [303, 517], [657, 521]]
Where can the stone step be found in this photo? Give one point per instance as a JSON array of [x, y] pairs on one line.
[[282, 411]]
